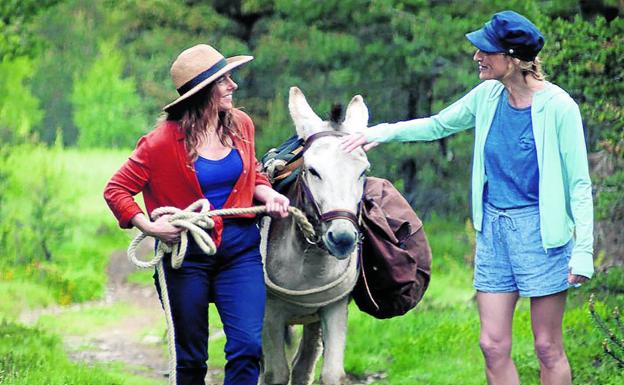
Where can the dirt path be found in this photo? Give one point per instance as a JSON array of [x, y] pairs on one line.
[[124, 341]]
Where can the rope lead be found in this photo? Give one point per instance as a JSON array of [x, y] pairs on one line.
[[198, 223]]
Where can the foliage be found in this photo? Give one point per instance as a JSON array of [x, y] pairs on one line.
[[56, 204], [70, 50], [613, 343], [34, 213], [19, 109], [587, 59], [107, 110], [610, 194], [156, 31], [17, 38]]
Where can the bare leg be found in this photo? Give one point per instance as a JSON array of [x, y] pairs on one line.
[[496, 313], [546, 320]]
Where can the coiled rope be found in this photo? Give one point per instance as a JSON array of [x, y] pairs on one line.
[[198, 223]]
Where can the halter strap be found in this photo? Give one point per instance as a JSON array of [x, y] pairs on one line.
[[329, 215], [319, 135]]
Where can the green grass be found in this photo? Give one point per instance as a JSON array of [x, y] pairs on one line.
[[20, 295], [438, 344], [81, 321], [31, 356]]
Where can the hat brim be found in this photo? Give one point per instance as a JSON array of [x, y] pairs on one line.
[[232, 62], [481, 40]]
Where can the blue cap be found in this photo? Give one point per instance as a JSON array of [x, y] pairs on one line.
[[510, 33]]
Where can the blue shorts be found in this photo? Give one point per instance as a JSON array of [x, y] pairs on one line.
[[510, 256]]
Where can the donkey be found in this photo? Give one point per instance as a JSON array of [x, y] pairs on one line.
[[309, 280]]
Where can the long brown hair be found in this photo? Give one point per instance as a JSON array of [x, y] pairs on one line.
[[197, 114]]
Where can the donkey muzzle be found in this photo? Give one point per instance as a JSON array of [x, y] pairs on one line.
[[340, 238]]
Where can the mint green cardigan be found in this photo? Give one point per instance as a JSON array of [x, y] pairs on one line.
[[565, 191]]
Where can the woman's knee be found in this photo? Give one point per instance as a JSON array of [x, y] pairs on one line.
[[548, 352], [495, 350]]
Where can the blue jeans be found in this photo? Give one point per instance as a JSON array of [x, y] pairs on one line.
[[233, 279]]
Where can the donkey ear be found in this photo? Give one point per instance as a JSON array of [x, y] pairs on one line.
[[356, 118], [305, 119]]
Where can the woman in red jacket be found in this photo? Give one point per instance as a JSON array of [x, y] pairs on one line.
[[204, 148]]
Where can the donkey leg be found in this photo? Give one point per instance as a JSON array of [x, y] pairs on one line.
[[334, 325], [273, 345], [307, 354]]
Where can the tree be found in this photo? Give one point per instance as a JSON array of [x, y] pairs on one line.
[[107, 110], [17, 38], [71, 31], [19, 109]]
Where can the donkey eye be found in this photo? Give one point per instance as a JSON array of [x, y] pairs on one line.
[[314, 173]]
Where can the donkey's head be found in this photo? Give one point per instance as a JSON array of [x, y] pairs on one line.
[[333, 178]]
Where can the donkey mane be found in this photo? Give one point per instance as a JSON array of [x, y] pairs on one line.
[[336, 114]]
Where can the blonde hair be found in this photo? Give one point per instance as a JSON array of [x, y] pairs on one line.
[[196, 114], [533, 68]]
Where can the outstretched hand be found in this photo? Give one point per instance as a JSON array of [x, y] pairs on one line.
[[353, 141]]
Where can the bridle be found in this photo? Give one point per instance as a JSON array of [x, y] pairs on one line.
[[320, 217]]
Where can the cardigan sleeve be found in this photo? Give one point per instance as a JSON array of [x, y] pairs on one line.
[[128, 181], [457, 117], [575, 167]]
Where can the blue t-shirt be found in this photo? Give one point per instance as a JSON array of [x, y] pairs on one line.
[[217, 177], [511, 158]]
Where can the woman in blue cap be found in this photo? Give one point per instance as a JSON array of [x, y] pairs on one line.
[[531, 193]]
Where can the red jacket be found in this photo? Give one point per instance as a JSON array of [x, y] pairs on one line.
[[159, 168]]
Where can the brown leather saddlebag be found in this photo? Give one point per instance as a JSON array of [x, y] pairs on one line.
[[395, 261]]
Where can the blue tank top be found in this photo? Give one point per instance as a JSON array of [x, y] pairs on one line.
[[217, 177], [511, 158]]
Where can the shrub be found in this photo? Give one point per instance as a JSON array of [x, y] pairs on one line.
[[35, 203]]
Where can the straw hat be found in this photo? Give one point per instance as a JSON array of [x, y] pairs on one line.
[[198, 66]]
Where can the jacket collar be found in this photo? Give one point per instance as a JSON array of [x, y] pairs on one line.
[[177, 131]]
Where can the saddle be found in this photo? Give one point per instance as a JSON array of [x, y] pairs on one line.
[[395, 257], [283, 164]]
